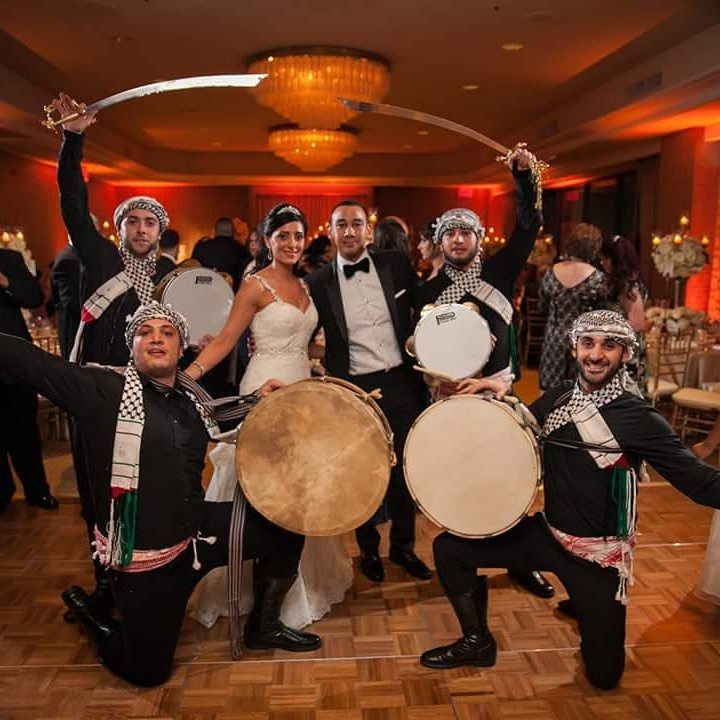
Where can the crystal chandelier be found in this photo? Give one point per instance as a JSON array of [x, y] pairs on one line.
[[303, 83], [312, 150]]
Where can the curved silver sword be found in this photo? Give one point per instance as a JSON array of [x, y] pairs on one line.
[[200, 81], [537, 167]]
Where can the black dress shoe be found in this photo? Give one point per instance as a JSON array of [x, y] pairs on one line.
[[533, 582], [478, 650], [77, 602], [281, 636], [411, 564], [46, 502], [371, 566]]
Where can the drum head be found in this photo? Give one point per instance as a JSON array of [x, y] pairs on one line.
[[314, 458], [453, 340], [203, 297], [471, 467]]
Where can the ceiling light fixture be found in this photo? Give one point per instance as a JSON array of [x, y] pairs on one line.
[[470, 86], [512, 47], [312, 150], [303, 83]]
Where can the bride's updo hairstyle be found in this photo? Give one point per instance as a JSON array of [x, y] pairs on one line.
[[280, 215]]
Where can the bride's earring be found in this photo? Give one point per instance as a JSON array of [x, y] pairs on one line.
[[270, 255]]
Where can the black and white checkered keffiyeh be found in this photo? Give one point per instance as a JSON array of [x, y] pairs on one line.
[[141, 202], [463, 282], [141, 272], [580, 400], [605, 323], [458, 219]]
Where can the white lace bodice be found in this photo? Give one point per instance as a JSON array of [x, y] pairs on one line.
[[281, 332]]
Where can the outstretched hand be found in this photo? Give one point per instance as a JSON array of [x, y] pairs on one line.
[[270, 386], [65, 105], [471, 386]]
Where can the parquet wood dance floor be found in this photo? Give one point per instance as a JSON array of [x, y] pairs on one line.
[[368, 666]]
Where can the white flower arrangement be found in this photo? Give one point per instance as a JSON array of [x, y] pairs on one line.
[[678, 259], [675, 320]]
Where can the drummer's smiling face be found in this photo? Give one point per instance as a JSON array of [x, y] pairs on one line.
[[460, 247], [598, 359], [139, 232], [348, 230], [156, 350], [287, 243]]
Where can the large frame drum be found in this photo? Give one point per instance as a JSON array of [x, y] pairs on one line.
[[470, 465], [203, 296], [453, 340], [315, 457]]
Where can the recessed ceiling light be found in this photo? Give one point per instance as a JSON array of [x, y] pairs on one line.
[[512, 47], [423, 132], [470, 86], [407, 146], [217, 143]]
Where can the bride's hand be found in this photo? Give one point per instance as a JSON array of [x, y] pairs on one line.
[[204, 341], [270, 386]]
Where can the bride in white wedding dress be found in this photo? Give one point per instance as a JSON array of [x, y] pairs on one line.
[[278, 308]]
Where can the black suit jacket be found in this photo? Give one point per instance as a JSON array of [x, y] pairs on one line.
[[398, 282], [163, 266], [223, 254], [23, 292], [65, 280]]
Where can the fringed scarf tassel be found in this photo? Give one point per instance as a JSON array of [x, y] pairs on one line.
[[623, 491], [121, 529]]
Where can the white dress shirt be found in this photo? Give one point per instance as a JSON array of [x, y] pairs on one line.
[[371, 335]]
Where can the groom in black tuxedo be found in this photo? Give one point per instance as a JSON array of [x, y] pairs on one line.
[[365, 302]]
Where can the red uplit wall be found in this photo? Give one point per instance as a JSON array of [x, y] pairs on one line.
[[29, 200]]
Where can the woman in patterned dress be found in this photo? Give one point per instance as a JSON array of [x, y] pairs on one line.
[[571, 287]]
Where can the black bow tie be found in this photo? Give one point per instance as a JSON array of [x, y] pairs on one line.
[[362, 266]]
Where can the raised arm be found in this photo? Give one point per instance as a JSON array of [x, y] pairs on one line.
[[77, 390], [246, 304], [91, 246], [503, 268], [18, 284]]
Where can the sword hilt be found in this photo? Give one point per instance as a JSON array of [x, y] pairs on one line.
[[52, 124]]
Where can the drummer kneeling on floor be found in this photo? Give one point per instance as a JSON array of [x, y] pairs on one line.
[[595, 433]]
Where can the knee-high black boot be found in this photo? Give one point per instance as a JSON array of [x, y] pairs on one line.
[[264, 629], [477, 645]]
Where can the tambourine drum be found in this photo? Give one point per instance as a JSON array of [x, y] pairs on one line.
[[453, 340], [315, 457], [203, 296], [471, 466]]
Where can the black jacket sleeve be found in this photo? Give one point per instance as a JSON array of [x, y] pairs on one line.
[[80, 391], [97, 254], [644, 434], [23, 289], [503, 269]]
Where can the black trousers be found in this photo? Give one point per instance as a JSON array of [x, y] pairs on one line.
[[20, 442], [151, 605], [401, 402], [530, 546]]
